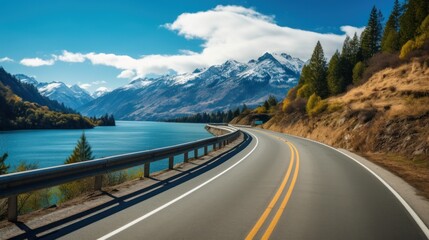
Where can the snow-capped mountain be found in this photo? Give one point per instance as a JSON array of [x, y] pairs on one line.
[[218, 87], [26, 79], [72, 97]]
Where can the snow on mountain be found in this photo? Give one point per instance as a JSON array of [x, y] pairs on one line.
[[218, 87], [100, 92], [72, 97], [26, 79], [290, 62]]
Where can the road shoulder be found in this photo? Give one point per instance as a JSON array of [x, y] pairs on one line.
[[410, 194]]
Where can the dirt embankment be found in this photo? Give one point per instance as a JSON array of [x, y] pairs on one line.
[[386, 119]]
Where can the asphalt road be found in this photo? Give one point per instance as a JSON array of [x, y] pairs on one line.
[[278, 187]]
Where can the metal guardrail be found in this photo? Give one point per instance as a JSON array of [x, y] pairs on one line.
[[16, 183]]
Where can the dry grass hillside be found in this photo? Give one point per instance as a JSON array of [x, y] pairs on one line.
[[385, 119]]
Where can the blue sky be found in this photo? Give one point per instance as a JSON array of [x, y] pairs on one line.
[[108, 43]]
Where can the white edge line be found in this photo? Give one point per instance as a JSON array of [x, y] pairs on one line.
[[410, 210], [178, 198]]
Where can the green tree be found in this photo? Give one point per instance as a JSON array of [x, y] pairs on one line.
[[305, 74], [82, 151], [272, 101], [415, 11], [315, 105], [358, 70], [317, 72], [3, 166], [390, 40], [266, 105], [371, 36], [350, 54], [335, 79], [244, 107], [303, 92]]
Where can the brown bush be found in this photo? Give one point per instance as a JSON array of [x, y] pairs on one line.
[[420, 53], [379, 62], [297, 105]]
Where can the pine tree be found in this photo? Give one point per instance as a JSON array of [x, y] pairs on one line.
[[3, 166], [272, 101], [244, 107], [335, 78], [317, 72], [371, 36], [82, 151], [355, 50], [304, 75], [390, 39], [415, 11], [345, 64]]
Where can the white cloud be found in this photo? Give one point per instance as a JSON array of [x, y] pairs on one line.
[[228, 32], [350, 30], [98, 82], [85, 85], [102, 89], [71, 57], [36, 62], [6, 59], [127, 74]]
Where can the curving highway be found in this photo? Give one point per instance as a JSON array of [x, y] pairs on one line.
[[277, 187]]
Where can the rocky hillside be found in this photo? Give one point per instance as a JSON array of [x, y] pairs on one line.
[[385, 119], [392, 109]]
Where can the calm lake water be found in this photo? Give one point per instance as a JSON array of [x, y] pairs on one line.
[[52, 147]]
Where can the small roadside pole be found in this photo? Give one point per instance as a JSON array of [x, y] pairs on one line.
[[12, 208]]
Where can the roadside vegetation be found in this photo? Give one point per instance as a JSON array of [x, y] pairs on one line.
[[52, 197], [372, 97]]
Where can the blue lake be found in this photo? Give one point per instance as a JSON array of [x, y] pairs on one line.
[[52, 147]]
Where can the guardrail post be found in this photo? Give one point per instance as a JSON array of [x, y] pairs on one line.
[[171, 162], [185, 157], [146, 170], [206, 150], [98, 182], [12, 208], [196, 153]]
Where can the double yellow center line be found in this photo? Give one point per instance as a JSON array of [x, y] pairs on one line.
[[266, 213]]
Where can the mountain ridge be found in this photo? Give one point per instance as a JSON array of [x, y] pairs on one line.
[[218, 87], [73, 96]]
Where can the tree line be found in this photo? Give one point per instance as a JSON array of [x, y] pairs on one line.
[[105, 120], [213, 117], [406, 29]]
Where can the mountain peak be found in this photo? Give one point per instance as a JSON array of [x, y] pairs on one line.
[[266, 56], [26, 79]]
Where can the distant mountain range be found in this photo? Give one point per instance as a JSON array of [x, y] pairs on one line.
[[72, 97], [28, 92], [218, 87]]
